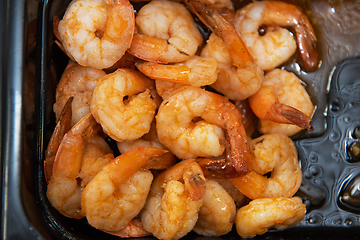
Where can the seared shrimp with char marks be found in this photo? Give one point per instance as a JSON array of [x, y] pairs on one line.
[[174, 201], [118, 192], [194, 122], [124, 119], [166, 33], [97, 33], [261, 214], [277, 45]]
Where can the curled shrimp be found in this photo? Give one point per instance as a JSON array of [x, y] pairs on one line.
[[273, 153], [118, 192], [174, 201], [277, 45], [64, 190], [217, 213], [124, 120], [192, 121], [197, 71], [261, 214], [166, 33], [79, 82], [238, 74], [97, 33], [282, 104]]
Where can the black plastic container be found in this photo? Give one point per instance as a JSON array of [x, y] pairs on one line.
[[31, 65]]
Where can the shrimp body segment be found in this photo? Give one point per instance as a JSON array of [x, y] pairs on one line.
[[97, 33], [124, 120], [261, 214], [118, 192], [273, 153], [192, 122], [217, 213], [63, 190], [78, 82], [197, 71], [166, 33], [174, 201], [277, 45], [282, 104]]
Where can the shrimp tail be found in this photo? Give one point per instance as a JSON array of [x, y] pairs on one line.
[[194, 181], [218, 168], [62, 127], [306, 39], [282, 113], [161, 159]]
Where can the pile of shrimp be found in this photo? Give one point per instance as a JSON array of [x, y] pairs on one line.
[[203, 126]]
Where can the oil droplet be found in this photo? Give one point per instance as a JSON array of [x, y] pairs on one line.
[[354, 152], [349, 197], [356, 133]]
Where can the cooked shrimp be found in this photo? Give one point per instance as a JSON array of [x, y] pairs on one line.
[[223, 7], [174, 201], [261, 214], [62, 127], [192, 121], [124, 120], [79, 82], [239, 198], [238, 74], [277, 45], [249, 118], [197, 71], [133, 229], [282, 104], [118, 192], [97, 33], [217, 213], [166, 33], [273, 153], [149, 139], [166, 88], [64, 190]]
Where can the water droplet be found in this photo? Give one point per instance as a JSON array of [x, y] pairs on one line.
[[315, 170], [308, 175], [347, 119], [313, 157], [335, 106], [314, 218], [334, 136], [348, 222]]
